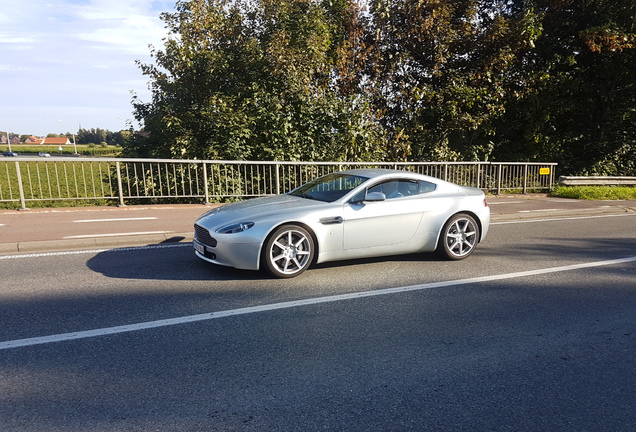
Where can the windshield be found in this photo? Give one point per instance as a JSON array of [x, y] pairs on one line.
[[329, 188]]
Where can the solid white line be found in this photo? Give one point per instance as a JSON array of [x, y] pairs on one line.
[[115, 234], [296, 303], [115, 220], [561, 219], [95, 251]]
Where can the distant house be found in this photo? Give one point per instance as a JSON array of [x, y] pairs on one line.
[[55, 141], [33, 139], [15, 139]]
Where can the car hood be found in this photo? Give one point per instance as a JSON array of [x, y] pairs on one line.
[[249, 210]]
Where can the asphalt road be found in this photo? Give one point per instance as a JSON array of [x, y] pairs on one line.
[[534, 332], [39, 230]]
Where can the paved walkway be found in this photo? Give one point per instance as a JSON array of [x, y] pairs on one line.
[[62, 229]]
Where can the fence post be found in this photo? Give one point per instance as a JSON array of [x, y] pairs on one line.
[[499, 169], [205, 183], [120, 191], [277, 179], [525, 178], [478, 180], [20, 188], [552, 175]]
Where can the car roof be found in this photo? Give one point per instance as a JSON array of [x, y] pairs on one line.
[[372, 173]]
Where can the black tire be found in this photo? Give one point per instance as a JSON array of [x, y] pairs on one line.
[[288, 251], [459, 237]]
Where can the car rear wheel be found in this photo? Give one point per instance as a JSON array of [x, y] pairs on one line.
[[459, 237], [288, 251]]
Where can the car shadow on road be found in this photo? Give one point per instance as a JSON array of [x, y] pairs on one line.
[[167, 262], [177, 261]]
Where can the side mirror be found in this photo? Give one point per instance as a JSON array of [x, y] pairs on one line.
[[375, 196]]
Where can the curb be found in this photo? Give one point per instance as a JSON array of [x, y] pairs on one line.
[[94, 243], [555, 214]]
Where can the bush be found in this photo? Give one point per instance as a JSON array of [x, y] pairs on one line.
[[595, 192]]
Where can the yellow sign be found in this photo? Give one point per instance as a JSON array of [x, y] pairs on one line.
[[544, 171]]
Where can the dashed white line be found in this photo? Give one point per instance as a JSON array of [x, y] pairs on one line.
[[292, 304], [115, 219], [537, 211], [115, 234]]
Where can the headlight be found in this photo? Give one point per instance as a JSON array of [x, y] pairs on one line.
[[235, 228]]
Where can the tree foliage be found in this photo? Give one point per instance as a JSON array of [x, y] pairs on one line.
[[444, 70], [400, 80], [258, 80], [99, 136], [581, 78]]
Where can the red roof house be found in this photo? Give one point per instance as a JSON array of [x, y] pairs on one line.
[[56, 141]]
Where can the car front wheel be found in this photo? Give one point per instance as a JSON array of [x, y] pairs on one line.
[[459, 237], [288, 251]]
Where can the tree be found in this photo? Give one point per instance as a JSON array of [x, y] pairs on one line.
[[444, 69], [405, 80], [580, 106], [91, 136], [268, 80]]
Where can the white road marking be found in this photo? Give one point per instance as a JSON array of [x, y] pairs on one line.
[[296, 303], [560, 219], [115, 234], [505, 202], [96, 251], [115, 220], [536, 211]]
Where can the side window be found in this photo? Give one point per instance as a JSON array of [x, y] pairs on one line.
[[391, 189], [426, 187], [359, 197], [376, 188], [396, 188]]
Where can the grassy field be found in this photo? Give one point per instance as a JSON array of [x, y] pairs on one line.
[[60, 184], [84, 149]]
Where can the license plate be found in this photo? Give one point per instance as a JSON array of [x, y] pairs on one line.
[[199, 247]]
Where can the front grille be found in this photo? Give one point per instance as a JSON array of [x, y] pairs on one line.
[[202, 235]]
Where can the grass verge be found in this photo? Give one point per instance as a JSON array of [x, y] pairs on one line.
[[595, 192]]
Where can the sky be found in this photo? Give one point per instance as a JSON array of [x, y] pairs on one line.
[[71, 63]]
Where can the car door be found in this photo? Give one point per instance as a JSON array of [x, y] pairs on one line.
[[390, 222]]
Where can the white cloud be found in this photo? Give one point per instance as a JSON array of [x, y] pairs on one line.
[[121, 25], [16, 68], [8, 38], [76, 55]]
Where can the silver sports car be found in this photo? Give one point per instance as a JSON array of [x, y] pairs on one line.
[[344, 215]]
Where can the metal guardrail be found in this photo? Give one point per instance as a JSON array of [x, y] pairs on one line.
[[134, 180], [597, 181]]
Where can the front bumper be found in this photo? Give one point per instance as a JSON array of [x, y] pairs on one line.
[[243, 256]]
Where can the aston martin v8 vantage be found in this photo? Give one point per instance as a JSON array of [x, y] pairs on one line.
[[344, 215]]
